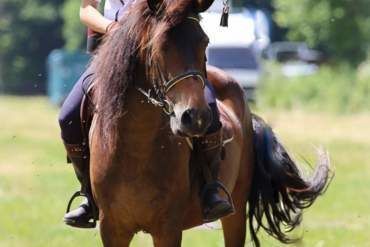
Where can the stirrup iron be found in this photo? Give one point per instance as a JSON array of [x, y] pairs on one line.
[[92, 222]]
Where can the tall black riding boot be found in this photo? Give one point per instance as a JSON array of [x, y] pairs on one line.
[[213, 205], [85, 215]]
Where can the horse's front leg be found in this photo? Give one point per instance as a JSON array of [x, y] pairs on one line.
[[114, 235], [169, 238]]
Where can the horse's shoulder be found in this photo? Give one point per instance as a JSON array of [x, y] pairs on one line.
[[228, 92], [222, 82]]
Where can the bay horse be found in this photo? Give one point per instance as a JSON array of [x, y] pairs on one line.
[[144, 165]]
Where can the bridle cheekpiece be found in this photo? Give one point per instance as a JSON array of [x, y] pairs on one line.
[[157, 95]]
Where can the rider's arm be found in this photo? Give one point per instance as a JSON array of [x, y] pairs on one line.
[[92, 18]]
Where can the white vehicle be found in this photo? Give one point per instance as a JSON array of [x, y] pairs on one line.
[[236, 48]]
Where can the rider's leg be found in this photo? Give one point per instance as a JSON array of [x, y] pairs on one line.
[[77, 151], [214, 206]]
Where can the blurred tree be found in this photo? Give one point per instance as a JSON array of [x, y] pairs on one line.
[[29, 29], [341, 27], [277, 33], [261, 4], [73, 30]]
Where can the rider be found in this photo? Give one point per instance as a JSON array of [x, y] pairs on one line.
[[213, 205]]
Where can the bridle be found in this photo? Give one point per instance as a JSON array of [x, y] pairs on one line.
[[160, 90], [157, 94]]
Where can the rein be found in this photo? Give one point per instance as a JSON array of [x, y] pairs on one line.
[[160, 90]]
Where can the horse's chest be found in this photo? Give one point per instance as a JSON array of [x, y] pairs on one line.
[[147, 178], [151, 179], [152, 196]]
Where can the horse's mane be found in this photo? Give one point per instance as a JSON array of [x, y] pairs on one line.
[[140, 36]]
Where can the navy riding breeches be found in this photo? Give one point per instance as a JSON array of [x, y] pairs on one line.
[[70, 119], [69, 116]]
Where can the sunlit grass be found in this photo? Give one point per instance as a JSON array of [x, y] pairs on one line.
[[35, 181]]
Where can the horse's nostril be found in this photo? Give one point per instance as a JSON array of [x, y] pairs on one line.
[[187, 117], [196, 120]]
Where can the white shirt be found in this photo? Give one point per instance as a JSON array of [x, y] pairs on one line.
[[249, 27], [114, 9]]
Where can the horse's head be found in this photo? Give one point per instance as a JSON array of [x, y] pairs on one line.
[[178, 60], [164, 39]]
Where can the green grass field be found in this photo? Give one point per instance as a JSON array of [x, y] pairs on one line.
[[35, 182]]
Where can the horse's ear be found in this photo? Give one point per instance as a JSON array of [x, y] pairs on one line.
[[154, 5], [202, 5]]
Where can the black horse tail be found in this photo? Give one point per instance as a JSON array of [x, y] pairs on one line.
[[279, 191]]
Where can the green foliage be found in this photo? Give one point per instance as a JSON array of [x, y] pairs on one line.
[[342, 27], [73, 30], [361, 96], [330, 89], [29, 29]]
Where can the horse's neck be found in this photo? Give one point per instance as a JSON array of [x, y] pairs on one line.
[[147, 145], [141, 119], [141, 123], [145, 135]]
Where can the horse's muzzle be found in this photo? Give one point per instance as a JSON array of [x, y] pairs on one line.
[[195, 122]]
